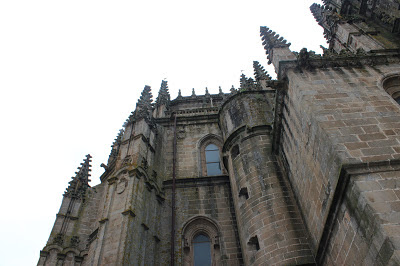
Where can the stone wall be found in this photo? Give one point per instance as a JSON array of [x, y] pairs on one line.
[[334, 117], [366, 229]]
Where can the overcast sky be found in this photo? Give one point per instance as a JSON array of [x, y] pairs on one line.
[[71, 72]]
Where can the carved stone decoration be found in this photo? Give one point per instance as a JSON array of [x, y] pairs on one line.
[[74, 242], [59, 239], [121, 185]]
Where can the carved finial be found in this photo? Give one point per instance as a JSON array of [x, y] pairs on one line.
[[207, 93], [163, 94], [233, 90], [144, 105], [259, 72], [80, 182], [220, 90], [179, 93], [193, 92]]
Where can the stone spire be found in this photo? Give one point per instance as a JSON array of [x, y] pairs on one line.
[[163, 94], [259, 72], [144, 105], [271, 40], [80, 182]]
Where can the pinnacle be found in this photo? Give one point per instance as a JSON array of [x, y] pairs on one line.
[[243, 82], [259, 72], [163, 94], [144, 105], [80, 182], [271, 39], [246, 84]]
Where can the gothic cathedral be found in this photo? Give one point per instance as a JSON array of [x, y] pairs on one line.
[[301, 170]]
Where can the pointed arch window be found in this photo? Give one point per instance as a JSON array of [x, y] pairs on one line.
[[213, 162], [202, 250]]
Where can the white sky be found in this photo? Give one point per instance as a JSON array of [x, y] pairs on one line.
[[71, 72]]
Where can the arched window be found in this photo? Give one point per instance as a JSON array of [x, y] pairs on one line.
[[200, 236], [213, 163], [202, 250], [210, 156]]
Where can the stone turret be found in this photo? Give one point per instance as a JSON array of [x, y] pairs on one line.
[[261, 196]]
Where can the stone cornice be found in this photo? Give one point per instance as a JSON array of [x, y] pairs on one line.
[[374, 57]]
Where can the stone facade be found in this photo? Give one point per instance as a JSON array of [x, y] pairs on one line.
[[300, 170]]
